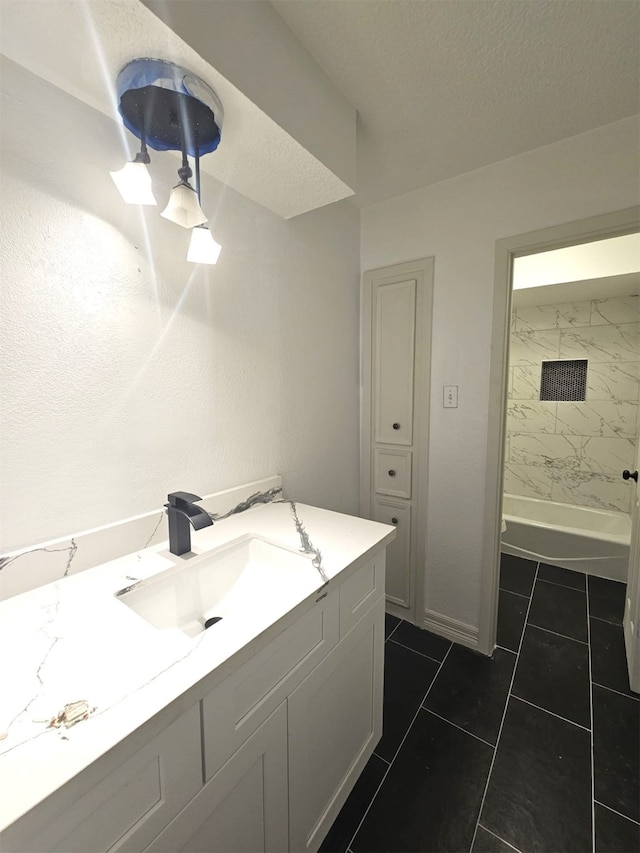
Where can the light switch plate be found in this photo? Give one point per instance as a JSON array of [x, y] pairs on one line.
[[450, 400]]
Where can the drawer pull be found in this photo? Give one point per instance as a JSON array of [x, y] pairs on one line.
[[392, 473], [394, 520], [396, 426]]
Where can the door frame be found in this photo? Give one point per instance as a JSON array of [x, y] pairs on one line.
[[614, 224]]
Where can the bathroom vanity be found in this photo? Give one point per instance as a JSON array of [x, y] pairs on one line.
[[248, 735]]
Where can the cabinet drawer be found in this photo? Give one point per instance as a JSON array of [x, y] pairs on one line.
[[128, 808], [235, 709], [393, 473], [360, 592]]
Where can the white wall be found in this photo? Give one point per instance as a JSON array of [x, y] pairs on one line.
[[458, 221], [128, 373]]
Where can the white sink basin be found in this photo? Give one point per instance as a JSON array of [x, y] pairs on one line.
[[248, 575]]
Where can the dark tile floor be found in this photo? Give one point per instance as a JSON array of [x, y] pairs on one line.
[[535, 749]]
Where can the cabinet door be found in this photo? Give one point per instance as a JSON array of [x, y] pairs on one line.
[[394, 318], [335, 721], [398, 583], [244, 807], [235, 709], [127, 808]]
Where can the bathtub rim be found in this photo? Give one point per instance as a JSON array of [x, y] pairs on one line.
[[587, 532]]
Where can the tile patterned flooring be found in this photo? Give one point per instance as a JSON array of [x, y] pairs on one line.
[[535, 749]]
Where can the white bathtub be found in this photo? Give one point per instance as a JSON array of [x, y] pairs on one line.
[[595, 541]]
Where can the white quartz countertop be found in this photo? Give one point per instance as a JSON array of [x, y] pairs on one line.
[[73, 640]]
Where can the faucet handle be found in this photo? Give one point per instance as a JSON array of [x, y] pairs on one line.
[[178, 498]]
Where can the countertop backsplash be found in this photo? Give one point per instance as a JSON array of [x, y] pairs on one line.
[[41, 564]]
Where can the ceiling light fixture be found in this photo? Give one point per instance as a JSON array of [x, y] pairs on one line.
[[170, 109], [203, 249], [183, 207], [134, 181]]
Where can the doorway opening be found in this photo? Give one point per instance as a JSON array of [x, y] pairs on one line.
[[528, 252]]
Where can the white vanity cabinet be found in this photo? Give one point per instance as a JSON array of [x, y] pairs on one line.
[[262, 761], [287, 735]]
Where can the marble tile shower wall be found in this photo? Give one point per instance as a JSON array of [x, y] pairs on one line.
[[574, 452]]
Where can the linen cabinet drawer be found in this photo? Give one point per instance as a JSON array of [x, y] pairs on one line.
[[360, 592], [393, 473], [235, 709]]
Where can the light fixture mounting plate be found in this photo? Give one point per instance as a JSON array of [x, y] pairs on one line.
[[169, 106]]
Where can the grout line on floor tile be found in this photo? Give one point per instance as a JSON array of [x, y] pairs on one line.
[[615, 811], [456, 726], [593, 789], [409, 649], [498, 837], [608, 621], [563, 585], [547, 711], [619, 692], [424, 698], [386, 760], [511, 592], [564, 636], [392, 630], [399, 748], [504, 713]]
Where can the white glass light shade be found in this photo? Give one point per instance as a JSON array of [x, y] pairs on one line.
[[203, 249], [134, 183], [183, 207]]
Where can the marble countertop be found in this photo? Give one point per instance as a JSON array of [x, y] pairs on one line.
[[75, 641]]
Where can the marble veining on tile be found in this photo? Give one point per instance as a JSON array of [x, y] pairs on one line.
[[525, 383], [546, 449], [540, 317], [528, 480], [592, 490], [599, 417], [615, 310], [609, 381], [532, 347], [531, 416], [607, 455], [601, 343]]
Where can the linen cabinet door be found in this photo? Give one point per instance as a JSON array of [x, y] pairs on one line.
[[398, 584], [394, 313], [244, 807], [335, 721]]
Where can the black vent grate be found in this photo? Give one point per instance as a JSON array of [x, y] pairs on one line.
[[564, 380]]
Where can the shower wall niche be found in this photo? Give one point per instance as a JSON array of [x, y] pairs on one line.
[[569, 449]]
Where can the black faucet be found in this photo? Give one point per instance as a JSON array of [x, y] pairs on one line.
[[181, 512]]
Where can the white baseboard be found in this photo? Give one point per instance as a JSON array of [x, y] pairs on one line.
[[451, 629]]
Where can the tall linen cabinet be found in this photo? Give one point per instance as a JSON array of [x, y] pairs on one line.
[[396, 306]]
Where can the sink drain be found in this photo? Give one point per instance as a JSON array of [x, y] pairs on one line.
[[211, 621]]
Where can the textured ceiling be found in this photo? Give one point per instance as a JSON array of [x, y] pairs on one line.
[[446, 86], [81, 45]]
